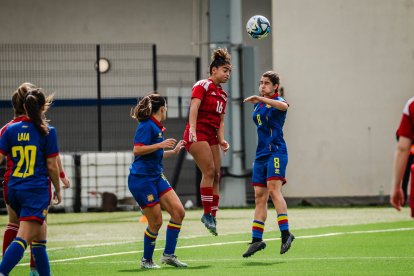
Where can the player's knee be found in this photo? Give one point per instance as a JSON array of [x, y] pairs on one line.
[[260, 199], [209, 173]]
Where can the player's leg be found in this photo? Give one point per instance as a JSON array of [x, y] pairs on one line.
[[275, 191], [215, 150], [12, 228], [14, 253], [146, 195], [203, 157], [39, 253], [276, 169], [260, 213], [172, 204]]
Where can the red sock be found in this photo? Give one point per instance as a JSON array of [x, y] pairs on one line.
[[206, 198], [32, 261], [9, 235], [214, 207]]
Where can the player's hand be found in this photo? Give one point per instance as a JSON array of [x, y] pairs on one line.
[[180, 145], [65, 182], [224, 145], [192, 135], [57, 198], [252, 99], [397, 198], [168, 143]]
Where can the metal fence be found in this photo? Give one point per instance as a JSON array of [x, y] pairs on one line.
[[91, 109]]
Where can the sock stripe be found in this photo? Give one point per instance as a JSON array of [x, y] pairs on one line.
[[174, 226], [22, 242], [150, 235]]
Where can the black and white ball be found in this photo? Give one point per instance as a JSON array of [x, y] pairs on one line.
[[258, 27]]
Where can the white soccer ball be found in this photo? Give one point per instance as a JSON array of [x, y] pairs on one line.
[[258, 27]]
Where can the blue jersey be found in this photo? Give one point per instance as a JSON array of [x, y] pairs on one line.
[[148, 132], [269, 122], [28, 150]]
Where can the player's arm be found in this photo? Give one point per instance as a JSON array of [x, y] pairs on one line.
[[53, 170], [176, 150], [283, 106], [1, 157], [62, 175], [194, 106], [401, 154], [140, 149]]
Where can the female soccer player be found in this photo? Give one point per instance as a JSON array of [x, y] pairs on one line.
[[204, 132], [13, 224], [147, 182], [19, 114], [270, 163], [405, 133], [32, 147]]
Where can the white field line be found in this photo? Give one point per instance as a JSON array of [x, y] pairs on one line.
[[239, 242]]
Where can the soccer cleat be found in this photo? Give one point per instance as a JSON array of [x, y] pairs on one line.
[[33, 273], [149, 264], [172, 260], [286, 243], [253, 248], [208, 221]]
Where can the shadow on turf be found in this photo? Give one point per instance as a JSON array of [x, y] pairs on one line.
[[164, 268], [261, 263]]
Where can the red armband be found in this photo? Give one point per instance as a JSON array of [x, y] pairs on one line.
[[62, 174]]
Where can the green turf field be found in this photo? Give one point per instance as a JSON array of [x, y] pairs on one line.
[[329, 241]]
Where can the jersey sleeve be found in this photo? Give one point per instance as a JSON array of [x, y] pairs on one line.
[[199, 90], [4, 144], [406, 127], [143, 134], [51, 149]]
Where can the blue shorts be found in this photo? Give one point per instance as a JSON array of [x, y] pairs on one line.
[[148, 189], [267, 168], [31, 204]]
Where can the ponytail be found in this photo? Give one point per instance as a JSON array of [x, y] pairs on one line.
[[18, 98], [35, 104], [147, 106]]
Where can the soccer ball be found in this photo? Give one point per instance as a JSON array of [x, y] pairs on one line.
[[258, 27]]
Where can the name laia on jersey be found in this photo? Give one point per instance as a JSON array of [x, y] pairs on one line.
[[23, 136]]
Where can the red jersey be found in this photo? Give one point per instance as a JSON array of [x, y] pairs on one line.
[[213, 102], [406, 127], [9, 164]]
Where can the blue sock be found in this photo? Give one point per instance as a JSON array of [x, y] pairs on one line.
[[41, 258], [149, 244], [173, 230], [13, 255]]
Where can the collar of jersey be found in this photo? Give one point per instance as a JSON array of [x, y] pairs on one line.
[[22, 118], [158, 123], [218, 85]]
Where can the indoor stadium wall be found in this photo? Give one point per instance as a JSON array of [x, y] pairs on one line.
[[347, 68]]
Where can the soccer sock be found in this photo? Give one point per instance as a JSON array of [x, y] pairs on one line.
[[13, 255], [214, 207], [9, 235], [173, 230], [149, 244], [32, 261], [41, 258], [206, 198], [257, 230], [283, 222]]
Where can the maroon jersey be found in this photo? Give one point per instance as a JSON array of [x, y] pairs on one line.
[[406, 127], [213, 102], [9, 164]]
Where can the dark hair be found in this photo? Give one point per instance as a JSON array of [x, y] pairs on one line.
[[36, 104], [18, 98], [273, 77], [147, 106], [219, 58]]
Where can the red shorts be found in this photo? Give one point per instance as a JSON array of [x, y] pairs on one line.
[[204, 133]]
